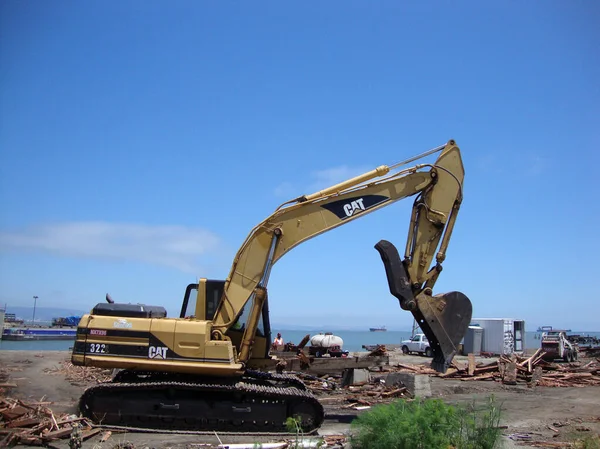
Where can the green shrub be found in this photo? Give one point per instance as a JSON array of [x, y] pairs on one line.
[[426, 424], [294, 425], [588, 442], [478, 425]]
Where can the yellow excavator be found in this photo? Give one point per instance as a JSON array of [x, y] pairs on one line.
[[208, 369]]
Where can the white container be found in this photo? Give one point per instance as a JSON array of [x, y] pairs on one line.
[[501, 335], [326, 341]]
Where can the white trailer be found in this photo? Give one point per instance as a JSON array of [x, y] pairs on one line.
[[501, 335]]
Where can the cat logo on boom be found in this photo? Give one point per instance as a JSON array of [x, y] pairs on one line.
[[354, 206], [350, 207]]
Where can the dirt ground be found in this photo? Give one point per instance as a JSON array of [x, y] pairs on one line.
[[529, 415]]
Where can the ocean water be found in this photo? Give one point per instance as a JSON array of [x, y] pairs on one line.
[[37, 345], [353, 340]]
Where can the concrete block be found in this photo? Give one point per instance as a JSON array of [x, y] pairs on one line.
[[418, 385], [355, 376]]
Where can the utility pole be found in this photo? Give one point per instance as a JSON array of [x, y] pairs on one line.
[[34, 304], [415, 328]]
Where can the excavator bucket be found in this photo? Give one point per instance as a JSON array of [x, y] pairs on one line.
[[443, 318]]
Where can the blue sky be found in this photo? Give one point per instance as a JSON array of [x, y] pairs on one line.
[[141, 141]]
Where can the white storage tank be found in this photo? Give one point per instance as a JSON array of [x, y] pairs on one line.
[[326, 340]]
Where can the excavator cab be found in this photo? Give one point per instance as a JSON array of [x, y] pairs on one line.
[[200, 302]]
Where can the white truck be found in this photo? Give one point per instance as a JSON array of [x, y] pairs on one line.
[[418, 343]]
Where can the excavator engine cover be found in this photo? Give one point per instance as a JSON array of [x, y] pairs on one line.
[[129, 310], [443, 318]]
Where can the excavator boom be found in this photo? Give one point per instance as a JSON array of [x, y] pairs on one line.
[[438, 187]]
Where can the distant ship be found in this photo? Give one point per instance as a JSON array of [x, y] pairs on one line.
[[550, 328], [378, 329]]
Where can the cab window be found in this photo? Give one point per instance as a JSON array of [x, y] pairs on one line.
[[240, 323], [214, 291], [188, 308]]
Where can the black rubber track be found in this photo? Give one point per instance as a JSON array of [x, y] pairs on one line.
[[258, 402]]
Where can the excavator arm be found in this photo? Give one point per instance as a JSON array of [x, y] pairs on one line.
[[438, 189]]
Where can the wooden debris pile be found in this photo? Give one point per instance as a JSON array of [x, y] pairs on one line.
[[532, 370], [572, 375], [370, 393], [335, 440], [320, 384], [374, 393], [379, 350], [81, 375], [35, 424]]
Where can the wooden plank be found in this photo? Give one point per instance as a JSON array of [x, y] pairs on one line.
[[481, 377], [567, 376], [448, 373], [529, 359], [24, 422], [510, 374], [304, 341], [459, 366], [539, 358], [44, 424], [71, 420], [90, 433], [471, 369], [13, 413], [394, 392], [30, 440], [410, 367], [486, 369], [57, 434]]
